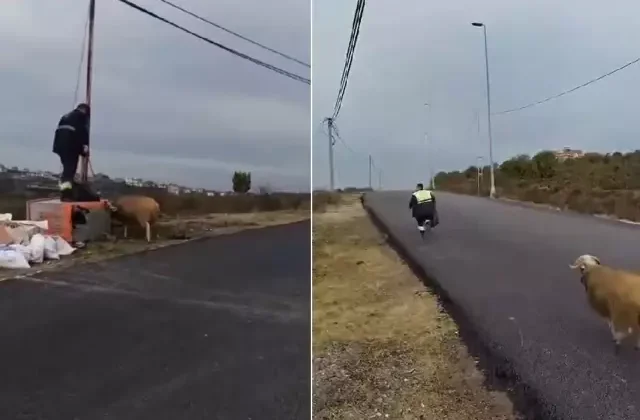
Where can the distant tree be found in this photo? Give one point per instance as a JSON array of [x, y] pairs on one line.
[[471, 172], [520, 167], [545, 164], [241, 182]]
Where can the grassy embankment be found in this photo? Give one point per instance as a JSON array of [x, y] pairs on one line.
[[382, 345], [594, 184]]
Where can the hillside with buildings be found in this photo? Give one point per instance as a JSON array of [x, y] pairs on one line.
[[16, 180], [569, 179]]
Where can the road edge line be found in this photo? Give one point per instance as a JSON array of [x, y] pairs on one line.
[[499, 371]]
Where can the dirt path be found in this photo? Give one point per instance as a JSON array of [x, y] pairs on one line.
[[383, 348]]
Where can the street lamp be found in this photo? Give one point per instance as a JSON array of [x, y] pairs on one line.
[[429, 157], [479, 168], [492, 192]]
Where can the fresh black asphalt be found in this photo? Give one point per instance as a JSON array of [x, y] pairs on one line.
[[210, 329], [505, 267]]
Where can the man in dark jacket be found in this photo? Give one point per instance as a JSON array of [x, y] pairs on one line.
[[70, 142], [423, 208]]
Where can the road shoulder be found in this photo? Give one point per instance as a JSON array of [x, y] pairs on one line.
[[383, 346]]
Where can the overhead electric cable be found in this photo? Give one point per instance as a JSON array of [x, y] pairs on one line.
[[82, 52], [217, 44], [566, 92], [353, 39], [288, 57]]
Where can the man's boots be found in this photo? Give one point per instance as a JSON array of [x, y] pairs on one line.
[[66, 191]]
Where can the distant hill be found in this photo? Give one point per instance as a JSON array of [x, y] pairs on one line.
[[586, 182]]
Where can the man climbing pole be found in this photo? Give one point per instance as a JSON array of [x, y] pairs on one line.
[[71, 141]]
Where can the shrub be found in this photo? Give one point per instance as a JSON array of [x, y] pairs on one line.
[[594, 183]]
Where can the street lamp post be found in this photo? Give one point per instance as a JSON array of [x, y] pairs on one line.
[[479, 167], [429, 154], [492, 192]]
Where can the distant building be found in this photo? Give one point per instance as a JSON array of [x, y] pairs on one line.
[[568, 153], [134, 182], [173, 189]]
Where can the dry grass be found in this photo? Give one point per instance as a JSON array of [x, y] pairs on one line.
[[383, 348], [192, 204], [195, 204]]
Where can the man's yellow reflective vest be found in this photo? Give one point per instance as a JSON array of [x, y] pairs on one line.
[[422, 196]]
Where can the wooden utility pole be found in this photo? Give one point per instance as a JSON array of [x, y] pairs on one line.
[[331, 175], [84, 165], [370, 166]]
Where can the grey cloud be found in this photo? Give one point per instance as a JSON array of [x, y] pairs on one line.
[[429, 53], [159, 92]]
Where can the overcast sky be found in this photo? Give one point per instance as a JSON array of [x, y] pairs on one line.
[[166, 106], [414, 52]]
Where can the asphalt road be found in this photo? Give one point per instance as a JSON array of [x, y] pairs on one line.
[[213, 329], [506, 267]]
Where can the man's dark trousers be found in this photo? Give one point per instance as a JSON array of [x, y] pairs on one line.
[[69, 166]]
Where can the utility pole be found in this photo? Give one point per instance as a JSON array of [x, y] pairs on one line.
[[84, 165], [478, 164], [370, 166], [478, 158], [430, 161], [433, 180], [331, 175], [429, 149]]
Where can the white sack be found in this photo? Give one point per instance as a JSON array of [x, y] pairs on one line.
[[37, 248], [24, 250], [50, 249], [62, 247], [11, 258]]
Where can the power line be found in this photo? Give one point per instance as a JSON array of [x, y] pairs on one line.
[[353, 39], [355, 31], [349, 148], [566, 92], [334, 133], [217, 44], [344, 143], [82, 51], [288, 57]]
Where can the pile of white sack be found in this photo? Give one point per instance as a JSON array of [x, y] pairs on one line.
[[23, 243]]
